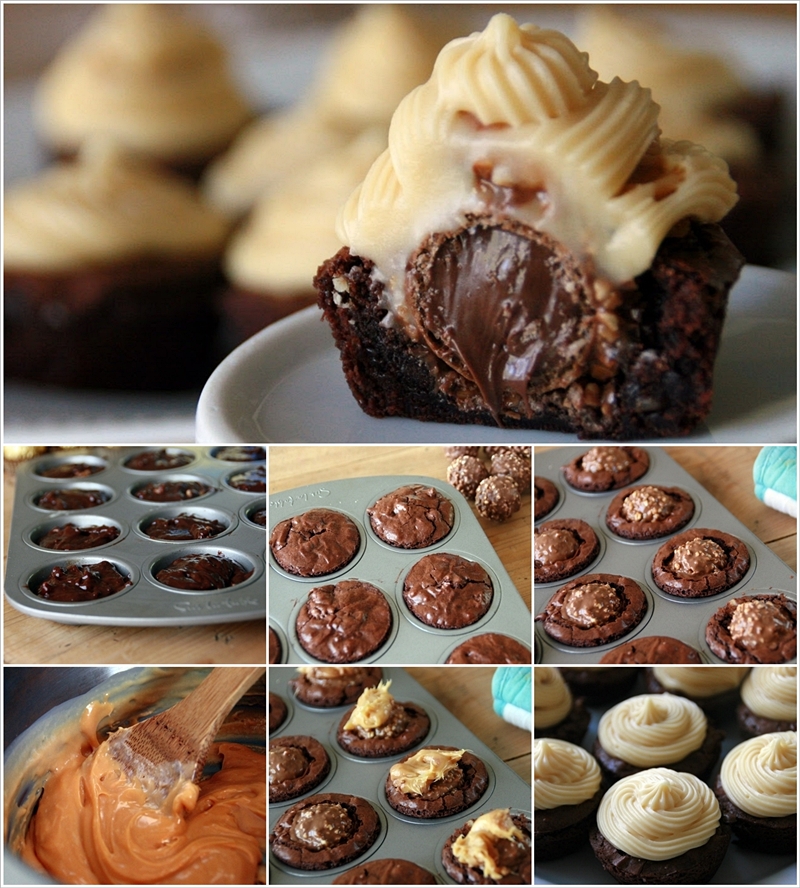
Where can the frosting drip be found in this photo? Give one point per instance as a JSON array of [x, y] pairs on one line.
[[760, 775], [771, 692], [658, 814], [582, 158], [564, 774], [552, 699], [652, 729], [700, 681]]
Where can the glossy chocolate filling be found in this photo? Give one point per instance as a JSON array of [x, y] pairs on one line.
[[184, 527], [71, 537], [199, 571], [82, 582], [501, 308]]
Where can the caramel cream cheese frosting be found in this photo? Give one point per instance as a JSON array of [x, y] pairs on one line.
[[418, 772], [95, 825], [476, 848], [373, 709], [760, 775], [564, 774], [515, 115], [102, 208], [658, 814], [652, 729], [155, 80], [771, 692], [700, 681], [552, 699]]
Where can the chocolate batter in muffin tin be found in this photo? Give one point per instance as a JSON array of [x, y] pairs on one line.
[[420, 841], [683, 618], [226, 522], [385, 567]]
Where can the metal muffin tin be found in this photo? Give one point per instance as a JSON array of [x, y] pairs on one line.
[[146, 602], [410, 641], [684, 619], [420, 841]]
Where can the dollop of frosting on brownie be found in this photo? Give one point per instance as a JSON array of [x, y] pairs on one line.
[[605, 459], [374, 709], [760, 775], [700, 681], [564, 774], [652, 729], [103, 208], [554, 545], [647, 504], [771, 692], [515, 114], [591, 604], [658, 814], [697, 558], [476, 848], [416, 774], [760, 623], [552, 699], [156, 80]]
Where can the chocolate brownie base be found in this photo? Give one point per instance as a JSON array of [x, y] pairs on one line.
[[458, 790], [70, 499], [70, 537], [700, 762], [412, 517], [146, 325], [296, 765], [344, 623], [653, 649], [605, 626], [490, 648], [326, 687], [447, 591], [560, 831], [654, 380], [315, 543], [780, 649], [386, 871], [512, 855], [773, 835], [694, 867], [275, 650], [711, 583], [184, 527], [597, 684], [545, 497], [680, 512], [752, 725], [410, 728], [82, 582], [566, 557], [629, 464], [572, 728], [278, 710], [325, 830], [201, 571]]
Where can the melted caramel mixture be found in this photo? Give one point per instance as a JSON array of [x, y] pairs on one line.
[[93, 825]]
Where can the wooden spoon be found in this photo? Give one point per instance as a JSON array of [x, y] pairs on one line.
[[172, 746]]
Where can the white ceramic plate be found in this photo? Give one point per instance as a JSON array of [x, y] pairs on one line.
[[286, 383]]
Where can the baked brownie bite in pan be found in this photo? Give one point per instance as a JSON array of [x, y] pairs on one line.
[[315, 543], [297, 764], [606, 468], [649, 511], [325, 687], [561, 548], [448, 591], [412, 517], [753, 629], [545, 497], [493, 849], [700, 562]]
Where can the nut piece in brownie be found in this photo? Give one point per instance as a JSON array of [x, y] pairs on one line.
[[649, 511], [754, 629], [378, 725], [606, 468], [493, 849], [315, 543], [594, 609], [296, 765], [436, 782], [412, 517], [324, 687], [325, 830], [562, 547], [700, 562]]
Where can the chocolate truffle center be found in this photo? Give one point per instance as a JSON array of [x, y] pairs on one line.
[[322, 825], [646, 504], [592, 604], [605, 459], [552, 546], [759, 623], [698, 558], [287, 763]]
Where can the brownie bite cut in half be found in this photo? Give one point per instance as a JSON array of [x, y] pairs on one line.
[[555, 712], [529, 252], [660, 827], [566, 792], [493, 849], [768, 701], [378, 725], [757, 792]]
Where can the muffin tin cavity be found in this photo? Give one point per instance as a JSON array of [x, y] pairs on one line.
[[251, 479], [159, 460], [186, 523], [202, 569], [172, 488], [75, 533], [668, 614], [145, 601], [401, 836], [80, 580], [385, 567], [64, 468], [71, 497]]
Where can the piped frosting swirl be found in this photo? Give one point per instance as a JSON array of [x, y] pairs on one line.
[[552, 699], [652, 729], [700, 681], [771, 692], [564, 774], [760, 775], [658, 814]]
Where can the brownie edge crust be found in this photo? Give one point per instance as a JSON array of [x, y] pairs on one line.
[[653, 379]]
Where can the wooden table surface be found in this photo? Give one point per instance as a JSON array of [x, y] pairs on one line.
[[727, 474]]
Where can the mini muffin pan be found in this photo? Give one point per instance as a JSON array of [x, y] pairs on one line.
[[739, 866], [410, 640], [681, 618], [145, 602], [419, 841]]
